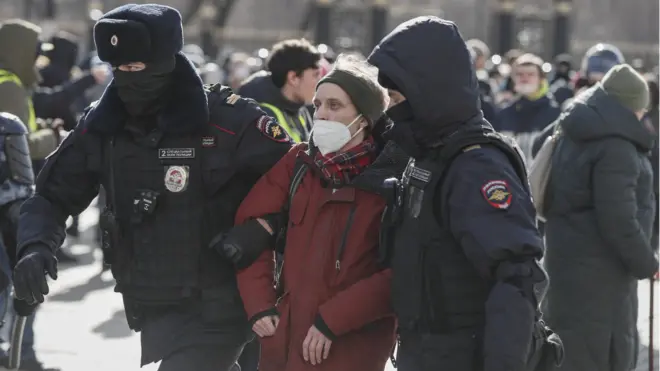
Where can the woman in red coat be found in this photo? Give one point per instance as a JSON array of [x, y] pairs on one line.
[[334, 313]]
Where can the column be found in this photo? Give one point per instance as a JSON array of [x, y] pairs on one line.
[[322, 32], [379, 17], [506, 25], [561, 35]]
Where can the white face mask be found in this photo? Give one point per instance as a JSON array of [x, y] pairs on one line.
[[526, 89], [331, 136]]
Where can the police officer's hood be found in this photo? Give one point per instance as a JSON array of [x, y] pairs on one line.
[[20, 44], [429, 62], [260, 87]]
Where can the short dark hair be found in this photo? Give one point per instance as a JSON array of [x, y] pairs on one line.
[[295, 55]]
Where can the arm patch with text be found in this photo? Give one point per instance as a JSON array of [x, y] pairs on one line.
[[272, 130], [497, 193]]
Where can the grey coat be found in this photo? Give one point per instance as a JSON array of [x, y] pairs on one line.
[[601, 207]]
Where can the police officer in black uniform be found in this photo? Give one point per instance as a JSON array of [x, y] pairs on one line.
[[461, 232], [176, 159]]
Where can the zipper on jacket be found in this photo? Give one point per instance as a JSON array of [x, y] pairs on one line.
[[344, 236]]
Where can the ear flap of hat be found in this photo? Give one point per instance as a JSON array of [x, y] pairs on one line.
[[120, 41]]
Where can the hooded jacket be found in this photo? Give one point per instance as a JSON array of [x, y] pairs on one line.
[[440, 101], [429, 63], [599, 222]]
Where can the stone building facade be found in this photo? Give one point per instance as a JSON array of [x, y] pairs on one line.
[[632, 24]]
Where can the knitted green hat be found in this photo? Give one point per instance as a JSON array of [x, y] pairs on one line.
[[627, 86], [354, 77]]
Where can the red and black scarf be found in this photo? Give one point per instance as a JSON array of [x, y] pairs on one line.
[[339, 168]]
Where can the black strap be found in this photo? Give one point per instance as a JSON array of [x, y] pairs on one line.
[[299, 171], [458, 142], [111, 182]]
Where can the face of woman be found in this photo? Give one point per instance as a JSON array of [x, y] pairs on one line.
[[331, 103]]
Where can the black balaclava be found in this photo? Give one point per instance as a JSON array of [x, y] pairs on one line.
[[145, 92], [402, 131]]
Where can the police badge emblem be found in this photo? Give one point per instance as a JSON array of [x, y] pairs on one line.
[[497, 194], [176, 178]]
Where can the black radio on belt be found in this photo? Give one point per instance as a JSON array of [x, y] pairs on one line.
[[144, 203]]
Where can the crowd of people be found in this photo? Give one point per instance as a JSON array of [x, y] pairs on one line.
[[307, 210]]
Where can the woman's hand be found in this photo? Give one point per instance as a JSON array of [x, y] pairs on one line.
[[266, 326], [316, 346]]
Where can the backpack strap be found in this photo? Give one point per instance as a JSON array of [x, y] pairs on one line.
[[299, 170], [464, 141]]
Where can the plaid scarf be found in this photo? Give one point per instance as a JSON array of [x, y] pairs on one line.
[[340, 168]]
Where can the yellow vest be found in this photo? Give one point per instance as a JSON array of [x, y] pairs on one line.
[[290, 129], [32, 120]]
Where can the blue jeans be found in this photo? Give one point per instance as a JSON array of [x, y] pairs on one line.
[[7, 314]]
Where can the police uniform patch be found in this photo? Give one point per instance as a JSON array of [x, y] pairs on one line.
[[208, 141], [176, 178], [497, 194], [232, 99], [272, 130], [472, 147]]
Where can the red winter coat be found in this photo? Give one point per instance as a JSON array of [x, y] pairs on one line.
[[346, 287]]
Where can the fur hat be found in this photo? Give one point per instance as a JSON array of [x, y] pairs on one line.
[[138, 33]]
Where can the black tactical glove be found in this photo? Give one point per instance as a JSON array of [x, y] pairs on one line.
[[30, 282], [243, 244], [23, 309]]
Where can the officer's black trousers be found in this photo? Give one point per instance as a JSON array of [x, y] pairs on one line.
[[202, 358], [456, 351]]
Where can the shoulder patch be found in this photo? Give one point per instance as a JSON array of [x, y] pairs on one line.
[[232, 99], [497, 193], [272, 130], [470, 148]]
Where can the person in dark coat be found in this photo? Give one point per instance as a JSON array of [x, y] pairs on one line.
[[652, 119], [534, 107], [485, 90], [464, 248], [560, 85], [59, 55], [600, 211]]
